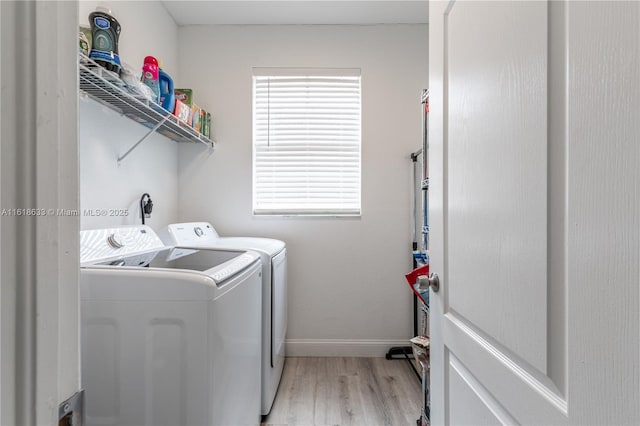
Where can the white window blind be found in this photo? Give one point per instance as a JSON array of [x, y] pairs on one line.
[[306, 142]]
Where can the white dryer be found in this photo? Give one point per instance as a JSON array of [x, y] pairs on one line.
[[274, 292], [169, 336]]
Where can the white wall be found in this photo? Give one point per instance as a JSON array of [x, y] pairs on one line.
[[347, 293], [147, 29]]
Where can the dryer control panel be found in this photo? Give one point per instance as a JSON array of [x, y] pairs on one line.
[[189, 234]]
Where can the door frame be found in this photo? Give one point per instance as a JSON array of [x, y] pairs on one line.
[[40, 247]]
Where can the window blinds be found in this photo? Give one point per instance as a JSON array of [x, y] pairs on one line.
[[306, 141]]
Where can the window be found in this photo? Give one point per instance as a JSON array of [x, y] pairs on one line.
[[306, 142]]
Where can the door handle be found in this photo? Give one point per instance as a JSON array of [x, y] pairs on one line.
[[432, 281]]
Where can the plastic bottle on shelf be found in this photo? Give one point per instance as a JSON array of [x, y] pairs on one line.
[[150, 76], [167, 96], [105, 31]]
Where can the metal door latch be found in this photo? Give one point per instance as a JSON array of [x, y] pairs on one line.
[[70, 412]]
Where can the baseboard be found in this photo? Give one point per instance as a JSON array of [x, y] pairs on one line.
[[341, 347]]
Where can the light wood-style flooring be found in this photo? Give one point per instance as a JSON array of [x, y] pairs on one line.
[[346, 391]]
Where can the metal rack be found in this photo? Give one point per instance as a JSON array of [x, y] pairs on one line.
[[406, 352], [425, 416], [420, 258], [99, 85], [423, 359], [420, 252]]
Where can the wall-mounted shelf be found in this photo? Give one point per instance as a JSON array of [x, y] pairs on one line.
[[99, 85]]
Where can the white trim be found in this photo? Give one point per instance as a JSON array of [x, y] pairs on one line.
[[302, 72], [8, 267], [341, 347], [1, 341], [56, 241], [39, 262]]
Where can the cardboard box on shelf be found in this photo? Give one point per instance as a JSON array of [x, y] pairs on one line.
[[203, 120], [195, 114], [208, 125], [184, 95], [183, 112]]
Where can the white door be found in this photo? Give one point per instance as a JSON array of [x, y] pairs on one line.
[[534, 209]]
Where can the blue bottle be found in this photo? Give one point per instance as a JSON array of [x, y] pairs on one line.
[[167, 97]]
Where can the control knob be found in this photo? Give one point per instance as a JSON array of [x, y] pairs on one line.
[[114, 241]]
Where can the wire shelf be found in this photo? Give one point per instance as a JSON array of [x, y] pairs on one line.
[[97, 84]]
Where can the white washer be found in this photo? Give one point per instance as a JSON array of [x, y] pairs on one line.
[[274, 292], [170, 336]]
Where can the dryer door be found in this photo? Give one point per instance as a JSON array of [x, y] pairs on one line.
[[278, 306]]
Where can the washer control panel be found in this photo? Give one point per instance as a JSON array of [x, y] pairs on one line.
[[100, 245]]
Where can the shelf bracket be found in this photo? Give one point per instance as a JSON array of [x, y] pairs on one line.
[[152, 130]]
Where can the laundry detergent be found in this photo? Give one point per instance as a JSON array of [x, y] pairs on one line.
[[150, 76], [105, 31], [167, 95]]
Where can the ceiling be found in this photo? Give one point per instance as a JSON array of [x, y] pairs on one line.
[[251, 12]]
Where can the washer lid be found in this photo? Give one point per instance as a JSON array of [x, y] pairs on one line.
[[216, 264]]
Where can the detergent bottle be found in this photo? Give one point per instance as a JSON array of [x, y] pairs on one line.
[[167, 97], [105, 31], [150, 76]]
